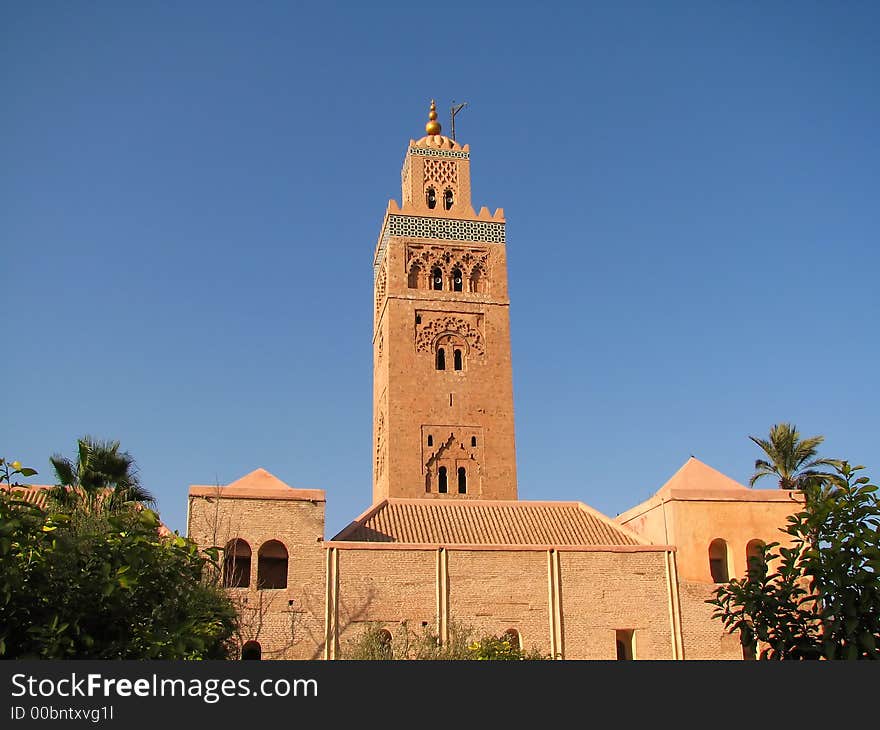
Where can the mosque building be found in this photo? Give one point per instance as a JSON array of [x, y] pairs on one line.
[[446, 539]]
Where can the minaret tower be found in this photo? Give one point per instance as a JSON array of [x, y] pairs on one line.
[[442, 383]]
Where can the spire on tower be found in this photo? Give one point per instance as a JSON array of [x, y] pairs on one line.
[[433, 126]]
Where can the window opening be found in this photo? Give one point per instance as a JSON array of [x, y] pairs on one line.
[[718, 561], [625, 644], [272, 566], [237, 565], [251, 650]]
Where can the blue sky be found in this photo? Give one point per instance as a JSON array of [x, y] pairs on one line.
[[191, 194]]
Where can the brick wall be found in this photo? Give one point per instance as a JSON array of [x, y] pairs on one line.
[[602, 592], [493, 591], [396, 588], [287, 623], [703, 636]]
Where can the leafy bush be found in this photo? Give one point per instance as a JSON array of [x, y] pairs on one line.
[[85, 585], [822, 599], [374, 642]]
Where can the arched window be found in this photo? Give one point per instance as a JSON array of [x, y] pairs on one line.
[[447, 199], [272, 565], [457, 281], [718, 561], [252, 650], [431, 198], [441, 480], [473, 440], [415, 277], [456, 359], [237, 564], [436, 279], [753, 550], [430, 440], [476, 280], [441, 358], [512, 637], [462, 480]]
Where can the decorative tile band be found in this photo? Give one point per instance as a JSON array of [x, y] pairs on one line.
[[444, 229], [428, 152], [450, 229]]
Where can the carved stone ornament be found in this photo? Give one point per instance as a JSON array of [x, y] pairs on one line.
[[429, 332], [466, 260]]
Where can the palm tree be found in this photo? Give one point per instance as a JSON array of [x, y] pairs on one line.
[[791, 459], [102, 477]]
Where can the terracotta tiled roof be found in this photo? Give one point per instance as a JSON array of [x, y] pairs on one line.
[[33, 493], [460, 522]]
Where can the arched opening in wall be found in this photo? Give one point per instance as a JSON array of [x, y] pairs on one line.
[[272, 566], [625, 640], [473, 440], [457, 359], [251, 650], [442, 485], [430, 440], [753, 552], [415, 277], [477, 281], [457, 280], [384, 644], [447, 199], [513, 639], [462, 480], [441, 359], [431, 198], [436, 279], [237, 564], [718, 561]]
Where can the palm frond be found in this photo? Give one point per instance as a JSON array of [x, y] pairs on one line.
[[105, 476], [791, 458], [65, 472], [762, 469]]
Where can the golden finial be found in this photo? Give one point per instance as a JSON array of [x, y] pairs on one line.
[[433, 126]]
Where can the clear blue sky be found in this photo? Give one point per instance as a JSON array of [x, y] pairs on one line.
[[191, 193]]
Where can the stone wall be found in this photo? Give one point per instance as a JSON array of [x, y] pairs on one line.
[[287, 623]]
